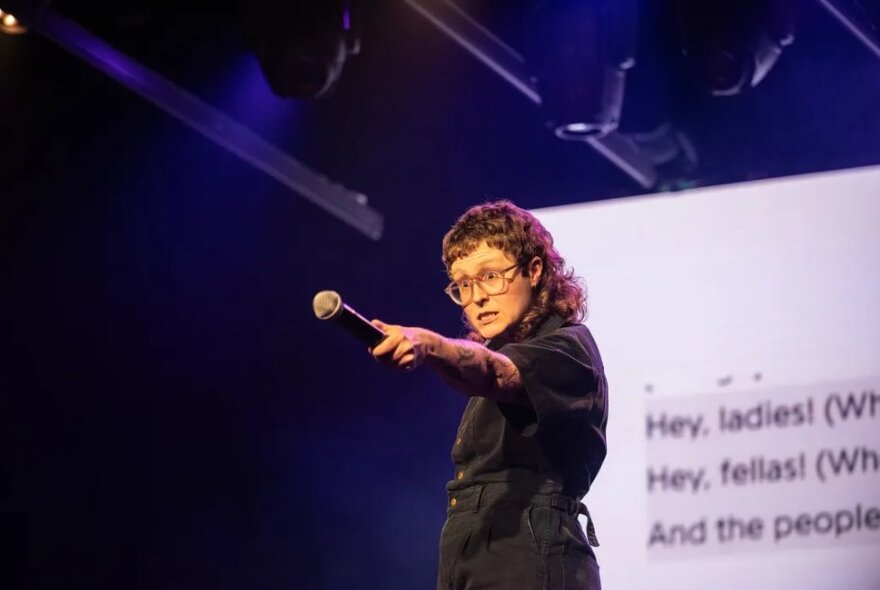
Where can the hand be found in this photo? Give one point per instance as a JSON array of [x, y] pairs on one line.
[[403, 347]]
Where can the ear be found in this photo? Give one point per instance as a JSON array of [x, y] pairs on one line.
[[536, 268]]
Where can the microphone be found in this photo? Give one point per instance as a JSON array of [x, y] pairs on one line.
[[328, 305]]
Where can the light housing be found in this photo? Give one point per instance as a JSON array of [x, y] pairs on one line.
[[731, 45], [579, 52], [302, 45]]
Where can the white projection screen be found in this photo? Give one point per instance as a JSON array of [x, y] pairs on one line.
[[740, 331]]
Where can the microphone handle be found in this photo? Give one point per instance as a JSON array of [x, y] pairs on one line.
[[358, 325]]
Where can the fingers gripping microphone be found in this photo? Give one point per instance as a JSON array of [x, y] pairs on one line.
[[328, 305]]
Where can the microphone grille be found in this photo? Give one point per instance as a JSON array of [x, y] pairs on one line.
[[327, 304]]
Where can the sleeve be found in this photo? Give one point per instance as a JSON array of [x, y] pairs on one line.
[[561, 379]]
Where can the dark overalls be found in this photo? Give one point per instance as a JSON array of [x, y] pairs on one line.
[[494, 539], [520, 472]]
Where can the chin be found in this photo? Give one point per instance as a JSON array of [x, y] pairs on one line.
[[486, 334], [490, 331]]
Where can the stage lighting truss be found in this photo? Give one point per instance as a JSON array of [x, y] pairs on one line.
[[598, 129], [348, 206], [862, 19]]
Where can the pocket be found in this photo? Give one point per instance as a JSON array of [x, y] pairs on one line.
[[537, 521], [454, 539]]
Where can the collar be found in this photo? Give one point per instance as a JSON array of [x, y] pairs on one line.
[[550, 324]]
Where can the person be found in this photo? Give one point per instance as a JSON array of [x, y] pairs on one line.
[[532, 436]]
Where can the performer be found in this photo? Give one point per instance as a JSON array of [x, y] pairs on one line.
[[532, 437]]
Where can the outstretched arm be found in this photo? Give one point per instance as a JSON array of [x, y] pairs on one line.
[[469, 367]]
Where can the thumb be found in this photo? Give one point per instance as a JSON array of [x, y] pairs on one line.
[[380, 324]]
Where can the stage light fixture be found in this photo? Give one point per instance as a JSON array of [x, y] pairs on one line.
[[302, 45], [733, 44], [580, 51], [10, 25]]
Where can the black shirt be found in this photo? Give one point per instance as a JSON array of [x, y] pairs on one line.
[[560, 437]]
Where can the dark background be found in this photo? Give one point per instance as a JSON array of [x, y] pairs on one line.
[[172, 414]]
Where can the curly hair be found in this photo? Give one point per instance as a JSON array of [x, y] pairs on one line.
[[518, 233]]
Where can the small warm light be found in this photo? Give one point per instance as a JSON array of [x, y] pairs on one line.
[[9, 24]]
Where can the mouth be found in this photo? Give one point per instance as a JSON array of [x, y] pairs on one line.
[[487, 317]]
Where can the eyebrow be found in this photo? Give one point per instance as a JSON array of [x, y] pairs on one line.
[[480, 267]]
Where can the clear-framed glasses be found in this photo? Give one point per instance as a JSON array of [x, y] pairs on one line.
[[492, 281]]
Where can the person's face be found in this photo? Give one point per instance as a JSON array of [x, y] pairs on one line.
[[495, 315]]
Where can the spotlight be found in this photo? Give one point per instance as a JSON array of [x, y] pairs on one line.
[[302, 45], [10, 25], [580, 52], [733, 44]]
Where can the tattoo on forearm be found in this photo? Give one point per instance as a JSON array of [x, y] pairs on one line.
[[475, 370], [466, 355]]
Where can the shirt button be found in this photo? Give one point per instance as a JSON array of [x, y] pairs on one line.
[[453, 502], [459, 475]]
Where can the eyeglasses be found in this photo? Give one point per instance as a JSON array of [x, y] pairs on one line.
[[491, 280]]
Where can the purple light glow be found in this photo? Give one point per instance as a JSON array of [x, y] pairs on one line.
[[243, 93], [214, 124], [346, 18]]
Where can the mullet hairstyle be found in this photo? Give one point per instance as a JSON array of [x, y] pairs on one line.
[[521, 236]]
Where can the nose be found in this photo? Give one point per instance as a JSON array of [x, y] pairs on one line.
[[479, 295]]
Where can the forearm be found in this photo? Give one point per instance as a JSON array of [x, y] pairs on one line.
[[474, 370]]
